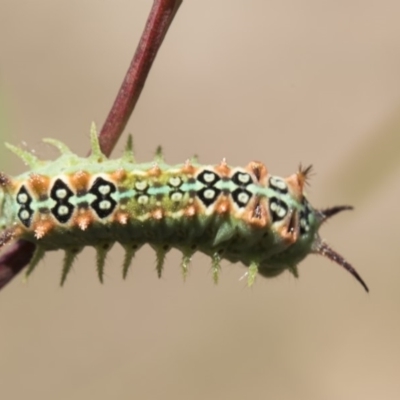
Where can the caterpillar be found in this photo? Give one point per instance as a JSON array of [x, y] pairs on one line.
[[239, 214]]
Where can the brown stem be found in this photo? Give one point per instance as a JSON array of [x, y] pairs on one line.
[[15, 260], [161, 15], [158, 22]]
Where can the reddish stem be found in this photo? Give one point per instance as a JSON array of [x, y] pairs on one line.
[[15, 260], [161, 15], [158, 22]]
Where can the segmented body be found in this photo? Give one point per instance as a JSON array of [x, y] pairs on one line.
[[241, 214]]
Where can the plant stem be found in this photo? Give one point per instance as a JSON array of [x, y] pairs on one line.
[[158, 22]]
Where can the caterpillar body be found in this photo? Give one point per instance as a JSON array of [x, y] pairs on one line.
[[241, 214]]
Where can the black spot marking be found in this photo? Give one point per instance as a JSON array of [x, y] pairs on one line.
[[175, 182], [208, 195], [304, 218], [141, 187], [141, 193], [104, 204], [278, 184], [208, 178], [142, 199], [278, 209], [25, 212], [175, 198], [61, 193], [241, 197], [242, 179]]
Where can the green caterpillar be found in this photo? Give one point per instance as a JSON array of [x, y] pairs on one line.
[[239, 214]]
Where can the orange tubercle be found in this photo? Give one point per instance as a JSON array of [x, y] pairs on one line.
[[157, 214], [222, 168], [190, 211], [122, 218], [256, 213], [39, 184], [83, 220], [188, 168], [289, 231], [43, 227], [259, 170], [119, 175], [223, 206], [80, 180], [154, 171]]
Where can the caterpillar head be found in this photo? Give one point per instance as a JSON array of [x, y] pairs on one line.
[[299, 228], [319, 246]]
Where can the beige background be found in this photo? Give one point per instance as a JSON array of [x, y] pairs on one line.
[[280, 81]]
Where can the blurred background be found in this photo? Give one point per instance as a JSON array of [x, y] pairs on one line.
[[282, 82]]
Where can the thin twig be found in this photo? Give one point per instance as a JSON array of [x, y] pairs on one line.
[[158, 22], [15, 260], [160, 18]]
